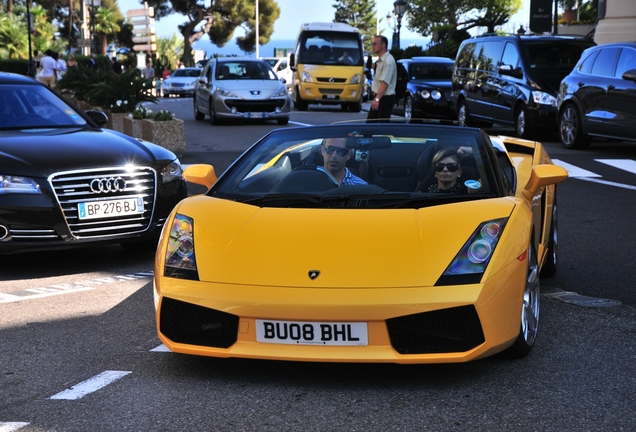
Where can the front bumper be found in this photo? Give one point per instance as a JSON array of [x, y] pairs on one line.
[[405, 325]]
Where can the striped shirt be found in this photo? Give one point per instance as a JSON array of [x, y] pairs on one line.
[[350, 179]]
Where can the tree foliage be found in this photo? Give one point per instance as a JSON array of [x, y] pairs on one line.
[[219, 19], [360, 14]]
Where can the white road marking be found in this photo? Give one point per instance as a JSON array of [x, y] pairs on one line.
[[51, 290], [11, 426], [161, 348], [91, 385], [628, 165], [582, 174], [574, 171]]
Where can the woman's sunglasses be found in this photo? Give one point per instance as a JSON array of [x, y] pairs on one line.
[[342, 151], [451, 167]]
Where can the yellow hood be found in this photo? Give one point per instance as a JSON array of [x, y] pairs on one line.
[[248, 245]]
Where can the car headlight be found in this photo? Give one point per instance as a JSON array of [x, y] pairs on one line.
[[355, 79], [172, 172], [435, 94], [470, 263], [18, 184], [306, 77], [224, 93], [180, 259], [281, 92], [542, 98]]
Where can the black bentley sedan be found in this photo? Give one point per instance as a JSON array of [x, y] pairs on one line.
[[429, 88], [66, 182]]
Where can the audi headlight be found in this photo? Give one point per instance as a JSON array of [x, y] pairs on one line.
[[542, 98], [281, 92], [306, 77], [172, 172], [181, 262], [224, 93], [355, 79], [18, 184], [470, 263]]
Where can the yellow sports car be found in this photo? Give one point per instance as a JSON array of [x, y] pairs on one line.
[[361, 242]]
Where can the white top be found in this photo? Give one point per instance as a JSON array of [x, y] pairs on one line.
[[48, 65]]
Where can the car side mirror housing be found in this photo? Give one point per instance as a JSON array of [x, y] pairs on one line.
[[283, 80], [508, 70], [201, 174], [292, 62], [99, 117], [203, 80], [544, 175], [630, 75]]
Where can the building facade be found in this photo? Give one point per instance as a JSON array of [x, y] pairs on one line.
[[617, 21]]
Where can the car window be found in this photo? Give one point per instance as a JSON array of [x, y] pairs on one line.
[[232, 70], [586, 65], [192, 73], [510, 56], [605, 63], [392, 167], [626, 61], [554, 55], [489, 55]]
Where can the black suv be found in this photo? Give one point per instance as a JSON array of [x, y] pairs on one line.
[[513, 79], [598, 98]]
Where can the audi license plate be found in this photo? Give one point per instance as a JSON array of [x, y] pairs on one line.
[[112, 208], [311, 333], [255, 115]]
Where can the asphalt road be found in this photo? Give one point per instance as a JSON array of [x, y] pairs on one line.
[[79, 351]]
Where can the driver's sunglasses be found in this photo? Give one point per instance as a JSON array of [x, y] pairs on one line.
[[451, 167], [342, 151]]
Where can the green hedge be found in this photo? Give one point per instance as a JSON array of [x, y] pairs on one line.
[[18, 66]]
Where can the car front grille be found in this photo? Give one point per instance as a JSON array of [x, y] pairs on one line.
[[332, 80], [74, 187], [442, 331], [191, 324], [255, 106], [31, 234]]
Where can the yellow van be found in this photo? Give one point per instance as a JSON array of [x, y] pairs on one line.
[[328, 65]]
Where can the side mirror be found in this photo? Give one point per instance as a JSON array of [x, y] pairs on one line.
[[203, 80], [508, 70], [283, 80], [292, 62], [630, 75], [99, 117], [544, 175], [200, 174]]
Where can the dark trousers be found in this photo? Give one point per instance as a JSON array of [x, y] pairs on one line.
[[385, 106]]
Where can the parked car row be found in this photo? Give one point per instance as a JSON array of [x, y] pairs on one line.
[[534, 83]]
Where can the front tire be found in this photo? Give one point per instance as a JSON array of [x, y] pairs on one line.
[[529, 309], [283, 121], [198, 115], [550, 265], [299, 103], [521, 123], [212, 120], [463, 115], [571, 129]]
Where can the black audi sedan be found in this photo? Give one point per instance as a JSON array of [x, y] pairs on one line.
[[428, 92], [598, 98], [66, 182]]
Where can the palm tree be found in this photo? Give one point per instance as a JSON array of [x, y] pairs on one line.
[[13, 38], [170, 50], [105, 24]]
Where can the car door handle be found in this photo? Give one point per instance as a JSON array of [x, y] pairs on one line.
[[581, 84]]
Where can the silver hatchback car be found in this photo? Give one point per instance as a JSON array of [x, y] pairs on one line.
[[240, 88]]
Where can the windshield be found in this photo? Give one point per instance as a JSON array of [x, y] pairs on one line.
[[232, 70], [26, 106], [330, 47], [368, 166], [431, 71], [190, 73]]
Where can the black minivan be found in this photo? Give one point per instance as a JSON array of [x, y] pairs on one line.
[[513, 79]]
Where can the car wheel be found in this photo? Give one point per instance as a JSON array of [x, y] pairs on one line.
[[463, 115], [529, 309], [212, 120], [198, 115], [408, 108], [299, 103], [570, 128], [355, 107], [522, 128], [550, 265], [283, 121]]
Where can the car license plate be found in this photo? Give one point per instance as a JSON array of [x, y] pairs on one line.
[[255, 115], [112, 208], [311, 333]]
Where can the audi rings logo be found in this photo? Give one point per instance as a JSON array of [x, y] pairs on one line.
[[105, 185]]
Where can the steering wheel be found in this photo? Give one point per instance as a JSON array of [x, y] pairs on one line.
[[19, 120]]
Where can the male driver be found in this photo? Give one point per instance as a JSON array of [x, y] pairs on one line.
[[336, 155], [384, 81]]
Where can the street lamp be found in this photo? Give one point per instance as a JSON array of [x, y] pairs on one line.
[[93, 4], [399, 7]]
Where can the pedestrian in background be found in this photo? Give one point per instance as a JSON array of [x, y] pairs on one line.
[[166, 71], [148, 71], [116, 65], [384, 81], [61, 66], [71, 60], [49, 69]]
